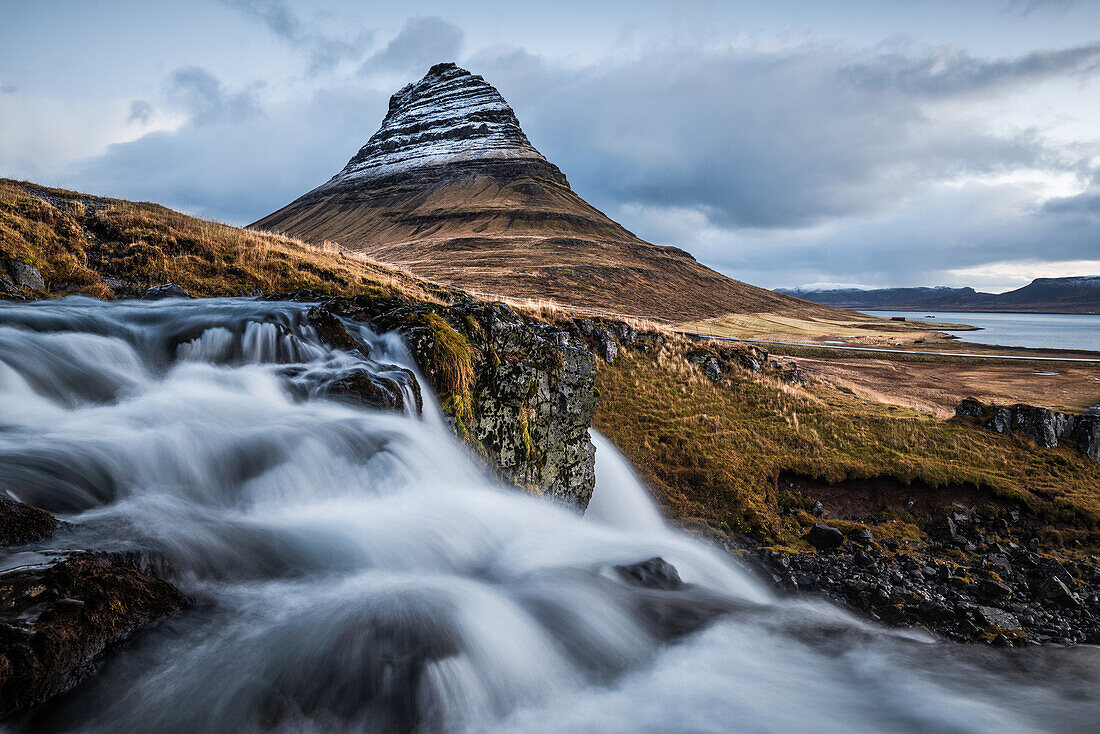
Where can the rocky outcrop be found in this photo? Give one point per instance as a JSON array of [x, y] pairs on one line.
[[978, 580], [56, 620], [523, 394], [1048, 428], [18, 279], [168, 290]]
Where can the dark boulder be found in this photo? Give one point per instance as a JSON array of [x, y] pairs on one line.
[[55, 621], [20, 523], [331, 331], [656, 573], [366, 390], [168, 290], [824, 537]]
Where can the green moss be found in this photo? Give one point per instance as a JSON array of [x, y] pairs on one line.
[[451, 368]]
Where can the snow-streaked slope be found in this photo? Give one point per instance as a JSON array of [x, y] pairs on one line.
[[450, 115]]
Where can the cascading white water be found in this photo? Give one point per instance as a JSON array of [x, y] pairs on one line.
[[356, 570]]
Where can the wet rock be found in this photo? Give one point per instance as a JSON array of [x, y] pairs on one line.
[[656, 573], [333, 332], [168, 290], [55, 621], [824, 537], [20, 523], [367, 390], [523, 394]]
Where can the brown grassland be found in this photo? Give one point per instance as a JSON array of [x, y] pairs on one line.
[[107, 247], [712, 452]]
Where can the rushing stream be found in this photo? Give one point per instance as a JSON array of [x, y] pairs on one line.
[[357, 570]]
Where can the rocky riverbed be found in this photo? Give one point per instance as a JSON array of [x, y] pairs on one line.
[[971, 583]]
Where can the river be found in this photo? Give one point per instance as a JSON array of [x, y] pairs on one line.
[[1033, 330], [359, 571]]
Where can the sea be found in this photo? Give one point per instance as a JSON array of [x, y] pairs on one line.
[[1034, 330]]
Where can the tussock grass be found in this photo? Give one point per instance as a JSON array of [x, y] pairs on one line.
[[109, 247]]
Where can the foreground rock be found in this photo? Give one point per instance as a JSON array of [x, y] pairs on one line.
[[522, 393], [20, 523], [56, 621], [1048, 428], [971, 582]]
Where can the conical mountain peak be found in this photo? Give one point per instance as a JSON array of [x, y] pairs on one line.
[[450, 188], [449, 116]]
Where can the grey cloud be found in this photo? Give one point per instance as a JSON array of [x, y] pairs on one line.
[[775, 167], [949, 70], [140, 111], [238, 170], [204, 98], [325, 49], [1086, 203], [1026, 7], [759, 140], [422, 42]]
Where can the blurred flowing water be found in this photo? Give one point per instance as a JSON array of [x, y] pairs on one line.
[[358, 570]]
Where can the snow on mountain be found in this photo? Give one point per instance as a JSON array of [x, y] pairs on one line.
[[448, 116]]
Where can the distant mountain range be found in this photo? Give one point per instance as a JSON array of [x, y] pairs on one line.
[[1079, 294], [450, 188]]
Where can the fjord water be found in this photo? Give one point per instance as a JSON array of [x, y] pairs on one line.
[[358, 571], [1032, 330]]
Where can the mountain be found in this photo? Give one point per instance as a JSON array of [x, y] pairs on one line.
[[1079, 294], [451, 189]]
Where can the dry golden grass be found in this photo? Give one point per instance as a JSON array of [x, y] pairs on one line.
[[712, 452], [103, 247]]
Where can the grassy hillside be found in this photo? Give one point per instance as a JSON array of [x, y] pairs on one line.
[[713, 452], [109, 247]]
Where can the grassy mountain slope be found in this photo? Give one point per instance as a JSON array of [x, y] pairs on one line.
[[109, 247]]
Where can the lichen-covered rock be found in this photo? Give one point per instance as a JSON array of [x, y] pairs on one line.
[[1088, 436], [56, 620], [522, 393], [1046, 427]]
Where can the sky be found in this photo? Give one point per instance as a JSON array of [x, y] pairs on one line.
[[871, 142]]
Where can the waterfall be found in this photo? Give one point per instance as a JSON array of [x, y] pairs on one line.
[[357, 570]]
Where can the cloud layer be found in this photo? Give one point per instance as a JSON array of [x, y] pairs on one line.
[[778, 163]]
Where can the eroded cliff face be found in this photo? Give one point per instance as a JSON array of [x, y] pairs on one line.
[[1046, 427], [522, 394]]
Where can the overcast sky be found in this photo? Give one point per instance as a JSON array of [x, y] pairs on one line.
[[875, 142]]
